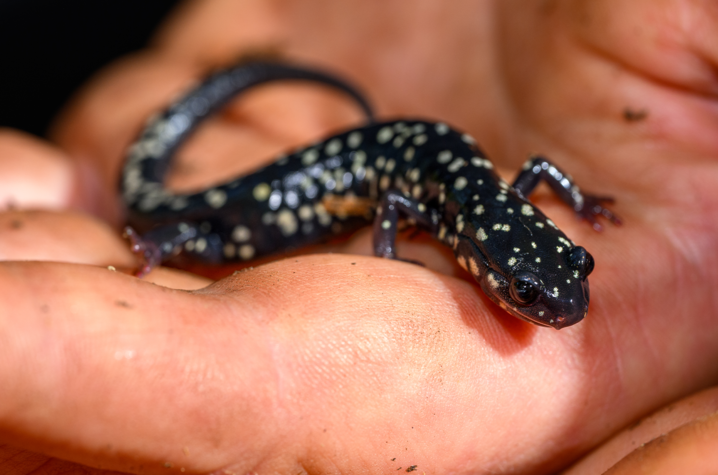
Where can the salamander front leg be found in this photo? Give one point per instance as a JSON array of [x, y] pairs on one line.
[[588, 207], [393, 205], [159, 244]]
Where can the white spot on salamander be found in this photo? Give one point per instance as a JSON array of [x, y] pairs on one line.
[[468, 139], [229, 250], [215, 198], [178, 203], [305, 212], [527, 210], [564, 241], [460, 183], [386, 224], [241, 233], [385, 134], [415, 175], [420, 140], [261, 192], [481, 235], [479, 210], [456, 165], [492, 281], [462, 262], [246, 252], [442, 232], [354, 139], [474, 267], [200, 245], [512, 261], [409, 154], [333, 147], [309, 157], [444, 156], [441, 128], [287, 222], [360, 157]]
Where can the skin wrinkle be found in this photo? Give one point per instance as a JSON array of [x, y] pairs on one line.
[[673, 36]]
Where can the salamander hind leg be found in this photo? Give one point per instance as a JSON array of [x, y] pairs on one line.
[[161, 243], [586, 206]]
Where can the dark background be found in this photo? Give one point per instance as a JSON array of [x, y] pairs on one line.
[[49, 48]]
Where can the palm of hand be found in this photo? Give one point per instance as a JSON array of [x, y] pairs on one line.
[[350, 364]]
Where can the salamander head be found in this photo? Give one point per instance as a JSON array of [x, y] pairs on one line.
[[555, 295]]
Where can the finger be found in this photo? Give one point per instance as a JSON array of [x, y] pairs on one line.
[[34, 174], [112, 375], [690, 448], [653, 427], [62, 237], [79, 239]]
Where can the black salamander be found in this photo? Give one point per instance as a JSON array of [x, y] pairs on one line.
[[427, 172]]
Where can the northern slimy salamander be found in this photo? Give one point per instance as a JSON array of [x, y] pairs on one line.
[[427, 172]]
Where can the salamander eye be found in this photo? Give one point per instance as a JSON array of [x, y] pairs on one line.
[[525, 288], [579, 259]]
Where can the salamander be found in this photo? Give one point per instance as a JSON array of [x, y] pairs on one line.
[[428, 173]]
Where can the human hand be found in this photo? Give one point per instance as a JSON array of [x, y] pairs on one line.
[[393, 361]]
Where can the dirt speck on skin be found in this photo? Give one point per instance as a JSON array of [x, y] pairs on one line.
[[412, 468], [631, 115], [16, 224], [123, 304]]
